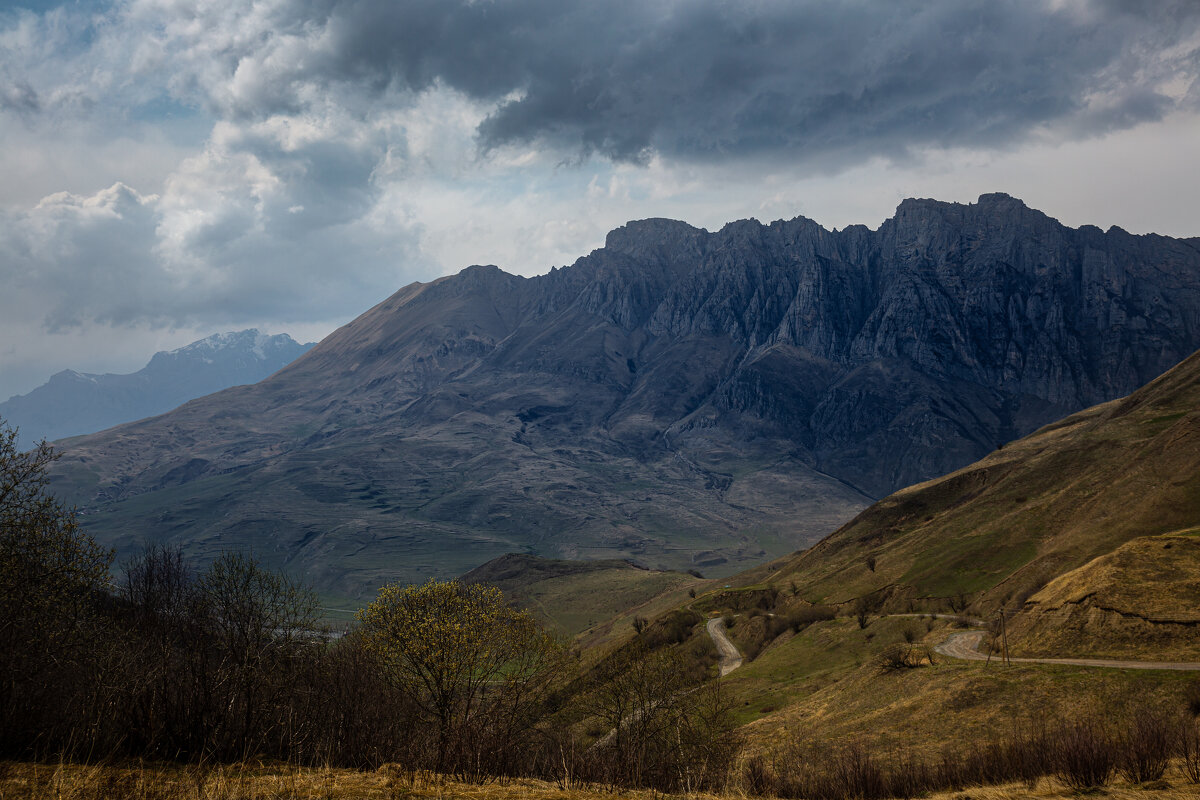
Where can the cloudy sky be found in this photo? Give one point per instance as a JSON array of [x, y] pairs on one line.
[[172, 168]]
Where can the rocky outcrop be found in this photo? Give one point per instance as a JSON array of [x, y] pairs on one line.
[[677, 392]]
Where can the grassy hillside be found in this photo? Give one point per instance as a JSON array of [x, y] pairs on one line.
[[828, 685], [1086, 532], [574, 596], [1142, 598], [995, 533]]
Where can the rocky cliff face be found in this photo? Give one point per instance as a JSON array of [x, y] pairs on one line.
[[678, 396], [73, 403]]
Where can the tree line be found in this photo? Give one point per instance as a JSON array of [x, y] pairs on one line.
[[229, 662]]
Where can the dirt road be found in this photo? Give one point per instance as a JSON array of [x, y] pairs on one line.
[[965, 645], [731, 659]]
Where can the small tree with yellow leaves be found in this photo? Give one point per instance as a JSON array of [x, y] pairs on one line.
[[475, 669]]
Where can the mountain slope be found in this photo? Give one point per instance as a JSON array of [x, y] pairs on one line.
[[73, 403], [573, 596], [679, 397], [1087, 526]]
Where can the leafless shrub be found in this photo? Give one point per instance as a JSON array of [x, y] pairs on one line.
[[1031, 753], [1187, 746], [854, 771], [859, 773], [862, 611], [1146, 745], [897, 657], [1191, 698], [660, 733], [1086, 754], [760, 780]]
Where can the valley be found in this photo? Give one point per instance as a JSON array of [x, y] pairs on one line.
[[641, 553]]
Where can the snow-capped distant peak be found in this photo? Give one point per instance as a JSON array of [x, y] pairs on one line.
[[241, 340], [250, 341], [73, 402], [260, 343]]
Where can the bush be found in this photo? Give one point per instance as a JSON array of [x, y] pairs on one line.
[[660, 734], [862, 610], [760, 781], [1187, 746], [1086, 754], [898, 656], [1146, 746], [1192, 698]]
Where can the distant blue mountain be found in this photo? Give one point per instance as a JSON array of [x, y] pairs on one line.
[[73, 403]]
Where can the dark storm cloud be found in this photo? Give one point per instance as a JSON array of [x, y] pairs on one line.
[[707, 79]]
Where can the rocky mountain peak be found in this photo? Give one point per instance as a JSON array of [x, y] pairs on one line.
[[655, 241], [757, 378]]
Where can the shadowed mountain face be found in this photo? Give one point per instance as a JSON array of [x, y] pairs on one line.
[[73, 403], [679, 397]]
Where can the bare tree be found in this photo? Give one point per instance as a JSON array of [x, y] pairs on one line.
[[260, 622], [661, 731], [862, 611], [51, 574]]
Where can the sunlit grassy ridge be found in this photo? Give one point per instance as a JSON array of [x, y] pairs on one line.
[[1141, 600], [999, 530]]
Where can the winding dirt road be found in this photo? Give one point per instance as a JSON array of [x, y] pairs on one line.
[[730, 659], [965, 646]]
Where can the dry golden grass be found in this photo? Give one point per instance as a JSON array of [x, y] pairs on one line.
[[1173, 787], [1157, 577], [25, 781], [926, 709], [1141, 600]]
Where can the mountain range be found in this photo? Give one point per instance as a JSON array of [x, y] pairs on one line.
[[679, 397], [73, 403]]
